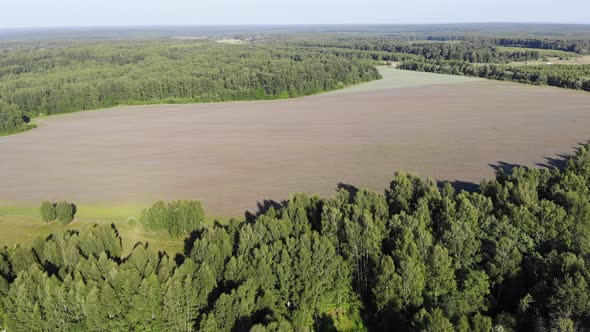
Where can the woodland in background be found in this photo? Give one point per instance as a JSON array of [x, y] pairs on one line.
[[515, 255], [68, 78], [480, 57], [563, 76]]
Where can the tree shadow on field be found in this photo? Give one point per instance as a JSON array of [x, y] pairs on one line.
[[459, 186], [561, 161], [505, 167], [348, 187], [353, 190], [263, 207], [558, 163]]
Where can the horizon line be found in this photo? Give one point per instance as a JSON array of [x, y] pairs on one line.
[[287, 24]]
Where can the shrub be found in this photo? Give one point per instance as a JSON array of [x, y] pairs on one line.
[[177, 217], [65, 212], [48, 213], [11, 118], [131, 221]]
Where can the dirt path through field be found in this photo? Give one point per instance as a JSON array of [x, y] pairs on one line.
[[233, 155]]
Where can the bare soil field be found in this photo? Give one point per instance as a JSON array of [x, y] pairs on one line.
[[233, 155]]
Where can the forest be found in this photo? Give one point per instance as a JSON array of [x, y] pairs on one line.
[[564, 76], [512, 255], [487, 57], [84, 76], [469, 51], [581, 46]]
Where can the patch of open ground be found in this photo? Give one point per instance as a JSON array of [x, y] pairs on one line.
[[233, 155], [542, 52], [22, 224], [581, 60], [396, 78], [230, 41]]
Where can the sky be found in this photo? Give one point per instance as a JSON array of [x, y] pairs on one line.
[[67, 13]]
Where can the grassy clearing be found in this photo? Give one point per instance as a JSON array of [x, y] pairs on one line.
[[580, 60], [436, 42], [21, 224], [396, 78], [542, 52], [28, 126], [553, 56]]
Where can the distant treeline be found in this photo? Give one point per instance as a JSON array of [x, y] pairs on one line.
[[581, 46], [472, 51], [513, 256], [82, 77], [564, 76], [473, 56]]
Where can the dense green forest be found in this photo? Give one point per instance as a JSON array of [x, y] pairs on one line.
[[581, 46], [473, 51], [67, 78], [514, 255], [565, 76], [473, 56]]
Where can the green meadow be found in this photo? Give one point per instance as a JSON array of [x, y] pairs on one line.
[[21, 224], [396, 78]]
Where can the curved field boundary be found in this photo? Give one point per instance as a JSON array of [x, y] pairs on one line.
[[397, 78]]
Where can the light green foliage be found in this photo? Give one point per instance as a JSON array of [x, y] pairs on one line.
[[458, 229], [185, 294], [441, 275], [413, 282], [480, 323], [432, 322], [388, 286], [571, 297], [213, 247], [363, 240], [47, 210], [65, 212], [565, 325], [406, 189], [12, 120], [473, 293], [463, 325], [177, 217]]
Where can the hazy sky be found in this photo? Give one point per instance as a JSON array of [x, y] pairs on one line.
[[51, 13]]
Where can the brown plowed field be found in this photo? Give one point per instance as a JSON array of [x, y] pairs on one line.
[[233, 155]]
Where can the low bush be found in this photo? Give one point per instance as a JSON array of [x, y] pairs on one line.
[[65, 212], [48, 213], [177, 217]]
